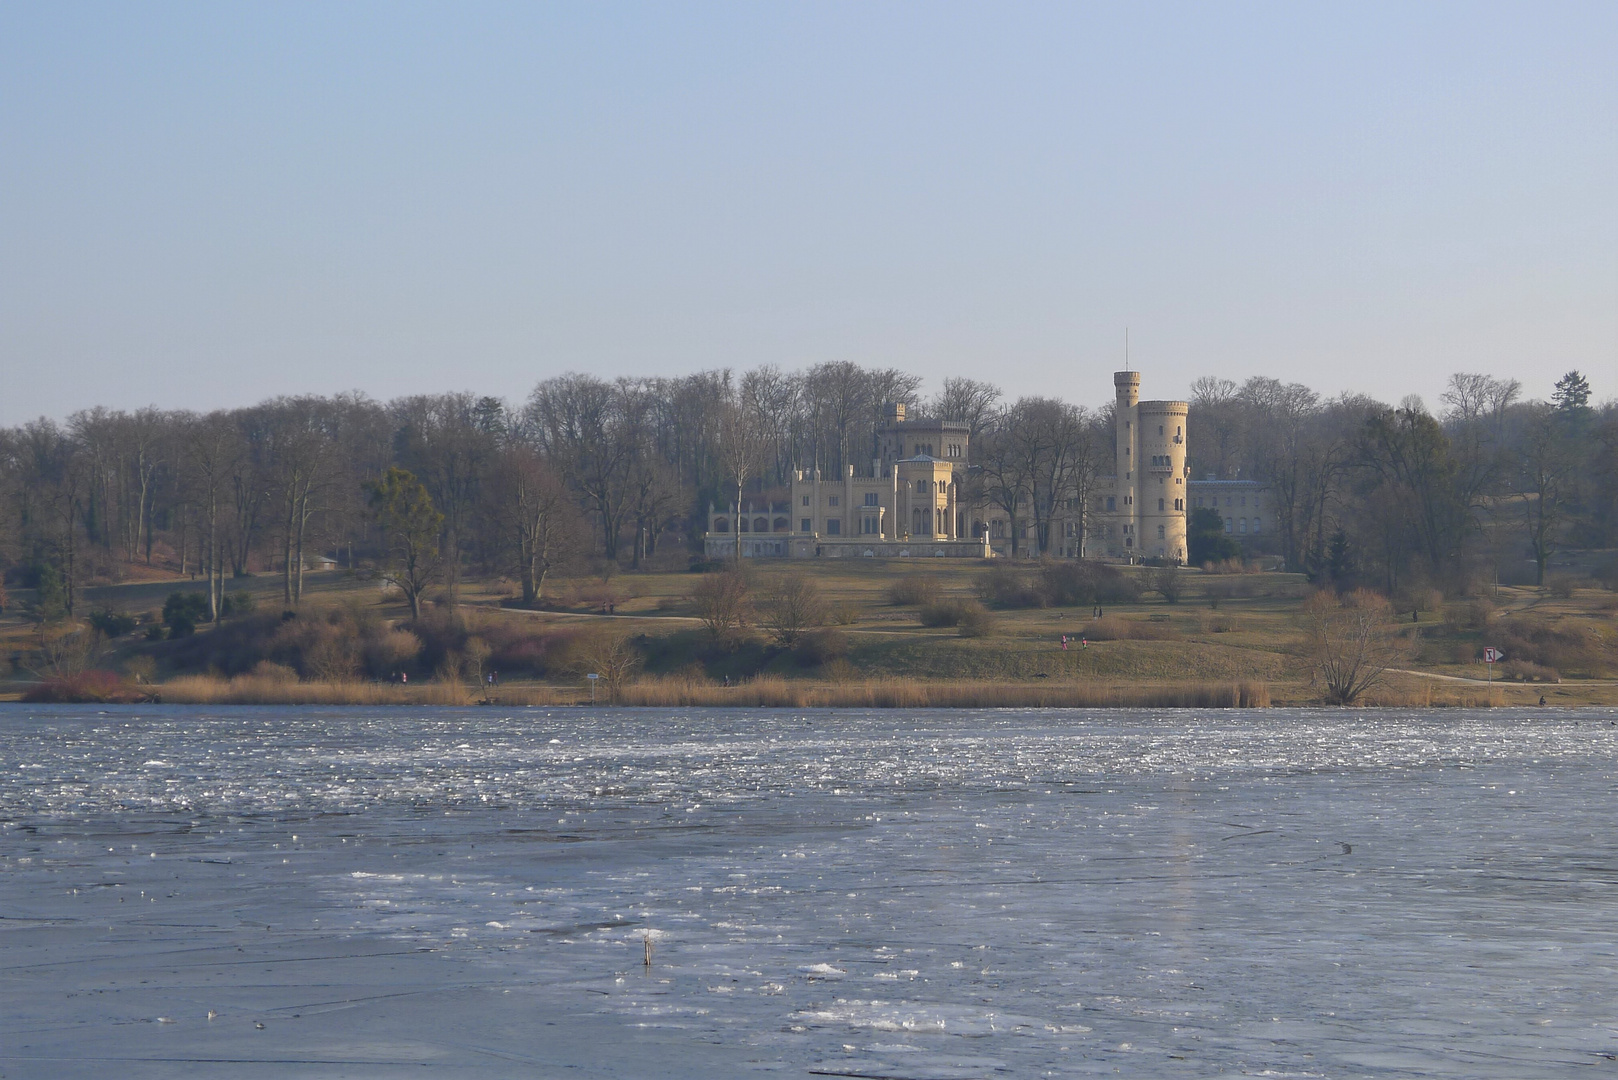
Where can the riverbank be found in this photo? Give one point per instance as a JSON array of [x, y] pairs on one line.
[[769, 691]]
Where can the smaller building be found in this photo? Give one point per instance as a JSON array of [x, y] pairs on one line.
[[1247, 506]]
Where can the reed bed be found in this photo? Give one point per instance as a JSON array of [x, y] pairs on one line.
[[773, 691], [264, 690]]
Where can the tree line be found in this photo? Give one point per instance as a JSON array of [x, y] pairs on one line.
[[438, 487]]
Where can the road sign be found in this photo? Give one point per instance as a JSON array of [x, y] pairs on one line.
[[1491, 655], [593, 676]]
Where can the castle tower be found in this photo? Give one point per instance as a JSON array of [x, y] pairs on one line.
[[1127, 385], [1160, 475]]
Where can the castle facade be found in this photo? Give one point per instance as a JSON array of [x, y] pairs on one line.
[[912, 503]]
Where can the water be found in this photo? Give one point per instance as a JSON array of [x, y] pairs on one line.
[[369, 893]]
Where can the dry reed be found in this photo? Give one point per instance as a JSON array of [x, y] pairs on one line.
[[773, 691], [269, 690]]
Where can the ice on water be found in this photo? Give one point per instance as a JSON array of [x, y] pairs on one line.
[[207, 892]]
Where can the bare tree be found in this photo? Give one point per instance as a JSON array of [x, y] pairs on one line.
[[725, 605], [588, 427], [793, 605], [612, 655], [535, 516], [741, 446], [966, 401], [1350, 642]]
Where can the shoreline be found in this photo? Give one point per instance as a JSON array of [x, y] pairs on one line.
[[1408, 690]]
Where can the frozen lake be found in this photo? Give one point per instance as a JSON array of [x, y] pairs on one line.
[[380, 893]]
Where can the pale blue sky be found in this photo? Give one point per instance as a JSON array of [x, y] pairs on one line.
[[207, 204]]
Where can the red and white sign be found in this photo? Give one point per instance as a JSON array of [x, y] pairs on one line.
[[1491, 655]]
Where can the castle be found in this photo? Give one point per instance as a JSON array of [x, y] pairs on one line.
[[912, 504]]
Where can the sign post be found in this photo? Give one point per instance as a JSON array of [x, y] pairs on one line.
[[1491, 656], [593, 677]]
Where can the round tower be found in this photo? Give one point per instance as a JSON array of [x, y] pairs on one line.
[[1127, 386], [1160, 476]]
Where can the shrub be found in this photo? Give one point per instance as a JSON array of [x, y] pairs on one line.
[[110, 623], [1168, 583], [102, 687], [182, 611], [1005, 587], [822, 646], [390, 652], [942, 613], [844, 614], [1527, 671], [1561, 586], [724, 603], [1113, 628], [974, 621], [1074, 583], [270, 670], [238, 603], [1606, 574], [914, 590], [792, 606], [1565, 646]]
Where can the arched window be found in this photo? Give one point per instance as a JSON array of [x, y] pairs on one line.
[[761, 525], [741, 525], [721, 525], [921, 487]]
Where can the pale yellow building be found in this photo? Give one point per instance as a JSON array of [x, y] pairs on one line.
[[910, 503]]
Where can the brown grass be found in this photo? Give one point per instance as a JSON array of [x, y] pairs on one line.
[[270, 690], [773, 691]]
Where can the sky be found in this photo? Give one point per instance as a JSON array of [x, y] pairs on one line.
[[203, 205]]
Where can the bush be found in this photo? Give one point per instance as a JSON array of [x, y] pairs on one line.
[[821, 646], [99, 687], [1080, 583], [914, 590], [1527, 671], [1113, 628], [112, 624], [1561, 586], [182, 611], [237, 603], [1004, 587], [1566, 646], [1168, 583], [943, 613], [844, 614], [1606, 574], [974, 621]]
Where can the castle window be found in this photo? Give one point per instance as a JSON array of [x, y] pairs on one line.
[[1228, 525], [804, 525], [834, 526], [1255, 524], [721, 525], [1241, 525], [1160, 507], [1112, 502], [806, 500], [1160, 532], [831, 500], [870, 498], [921, 487], [1160, 429]]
